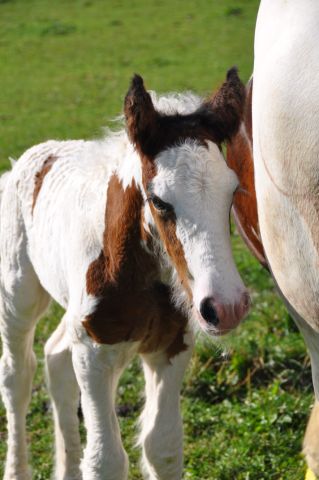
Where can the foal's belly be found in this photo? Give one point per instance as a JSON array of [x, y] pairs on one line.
[[286, 152]]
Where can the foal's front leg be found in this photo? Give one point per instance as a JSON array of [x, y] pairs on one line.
[[97, 369], [162, 432]]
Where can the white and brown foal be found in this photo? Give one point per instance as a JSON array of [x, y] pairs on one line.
[[130, 235]]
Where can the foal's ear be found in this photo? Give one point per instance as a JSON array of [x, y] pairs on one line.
[[140, 114], [227, 105]]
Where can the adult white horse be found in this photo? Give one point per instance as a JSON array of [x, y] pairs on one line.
[[286, 156]]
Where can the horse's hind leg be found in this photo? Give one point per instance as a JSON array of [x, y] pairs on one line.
[[311, 439], [22, 301], [64, 392]]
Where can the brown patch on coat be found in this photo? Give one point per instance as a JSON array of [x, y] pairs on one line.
[[134, 305], [40, 175], [166, 227], [240, 159]]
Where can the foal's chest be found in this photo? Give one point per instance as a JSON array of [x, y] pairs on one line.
[[134, 305]]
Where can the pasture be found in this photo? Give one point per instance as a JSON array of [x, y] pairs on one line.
[[65, 67]]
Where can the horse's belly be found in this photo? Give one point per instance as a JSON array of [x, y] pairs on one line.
[[286, 151], [291, 241]]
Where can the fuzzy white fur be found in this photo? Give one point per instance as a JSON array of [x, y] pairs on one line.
[[46, 254]]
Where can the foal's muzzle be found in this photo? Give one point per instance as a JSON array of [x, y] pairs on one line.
[[220, 318]]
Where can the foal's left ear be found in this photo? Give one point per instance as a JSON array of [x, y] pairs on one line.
[[228, 105], [140, 114]]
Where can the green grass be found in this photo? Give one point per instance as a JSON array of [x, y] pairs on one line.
[[65, 67]]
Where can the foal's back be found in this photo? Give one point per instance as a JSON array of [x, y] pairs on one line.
[[54, 199]]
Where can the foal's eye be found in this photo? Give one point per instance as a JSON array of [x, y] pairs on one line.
[[163, 207]]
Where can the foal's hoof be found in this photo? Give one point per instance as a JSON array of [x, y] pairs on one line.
[[310, 475]]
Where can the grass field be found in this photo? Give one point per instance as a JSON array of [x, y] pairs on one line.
[[64, 69]]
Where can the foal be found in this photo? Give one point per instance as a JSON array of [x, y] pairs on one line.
[[131, 236]]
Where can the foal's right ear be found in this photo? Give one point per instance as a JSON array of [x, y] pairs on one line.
[[140, 114]]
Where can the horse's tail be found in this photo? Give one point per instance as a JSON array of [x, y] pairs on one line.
[[3, 180], [4, 177]]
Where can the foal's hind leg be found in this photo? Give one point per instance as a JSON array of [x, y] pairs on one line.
[[64, 392], [162, 433], [20, 308], [22, 301]]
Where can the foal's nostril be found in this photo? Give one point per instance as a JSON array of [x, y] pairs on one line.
[[208, 311]]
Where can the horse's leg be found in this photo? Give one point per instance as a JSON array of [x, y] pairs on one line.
[[98, 368], [311, 439], [65, 396], [162, 433], [22, 301]]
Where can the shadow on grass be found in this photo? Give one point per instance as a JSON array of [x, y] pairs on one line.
[[238, 377]]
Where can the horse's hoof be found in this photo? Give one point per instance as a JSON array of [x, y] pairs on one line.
[[310, 475]]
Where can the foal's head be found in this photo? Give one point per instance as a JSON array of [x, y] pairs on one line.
[[188, 191]]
